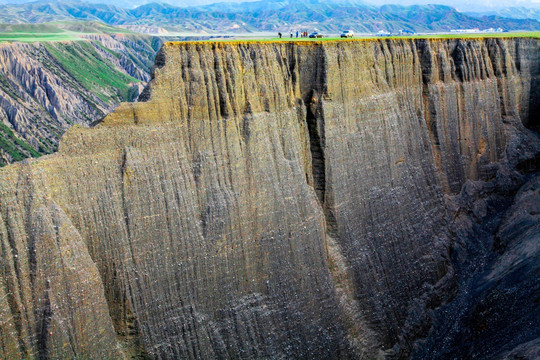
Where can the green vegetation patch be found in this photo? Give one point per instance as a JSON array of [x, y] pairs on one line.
[[89, 27], [361, 37], [81, 61], [55, 31], [6, 86], [46, 146], [35, 37], [14, 146], [49, 28]]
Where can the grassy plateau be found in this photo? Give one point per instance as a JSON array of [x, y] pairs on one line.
[[55, 31], [255, 38]]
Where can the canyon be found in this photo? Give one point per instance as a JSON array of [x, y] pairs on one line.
[[46, 87], [333, 199]]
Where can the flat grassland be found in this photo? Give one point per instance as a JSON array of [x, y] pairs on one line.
[[33, 37], [76, 30], [530, 34], [55, 31]]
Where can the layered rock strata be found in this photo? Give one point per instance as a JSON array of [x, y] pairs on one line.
[[283, 200]]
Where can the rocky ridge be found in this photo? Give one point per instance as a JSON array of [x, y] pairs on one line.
[[319, 199], [47, 87]]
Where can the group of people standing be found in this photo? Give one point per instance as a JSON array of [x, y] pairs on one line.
[[303, 34]]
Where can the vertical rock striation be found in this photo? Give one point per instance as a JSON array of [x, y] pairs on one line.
[[265, 200]]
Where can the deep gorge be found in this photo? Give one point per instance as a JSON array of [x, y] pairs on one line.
[[350, 199]]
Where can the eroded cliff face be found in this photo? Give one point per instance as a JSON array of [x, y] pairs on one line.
[[266, 200], [47, 87]]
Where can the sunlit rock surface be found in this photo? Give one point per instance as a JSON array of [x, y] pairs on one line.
[[272, 200]]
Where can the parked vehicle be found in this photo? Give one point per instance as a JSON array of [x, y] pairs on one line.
[[347, 34], [406, 32], [316, 35], [383, 33]]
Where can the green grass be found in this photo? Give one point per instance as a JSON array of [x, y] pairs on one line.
[[55, 31], [106, 49], [14, 146], [95, 74], [38, 37], [4, 85], [30, 28], [46, 146], [247, 38]]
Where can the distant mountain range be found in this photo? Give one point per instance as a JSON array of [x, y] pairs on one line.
[[270, 15], [516, 12], [129, 4], [479, 6]]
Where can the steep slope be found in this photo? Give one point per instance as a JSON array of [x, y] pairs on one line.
[[495, 313], [267, 200], [46, 87]]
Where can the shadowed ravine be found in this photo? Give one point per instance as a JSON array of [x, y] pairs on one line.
[[354, 199]]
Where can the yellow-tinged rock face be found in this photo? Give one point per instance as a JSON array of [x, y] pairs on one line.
[[266, 200]]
